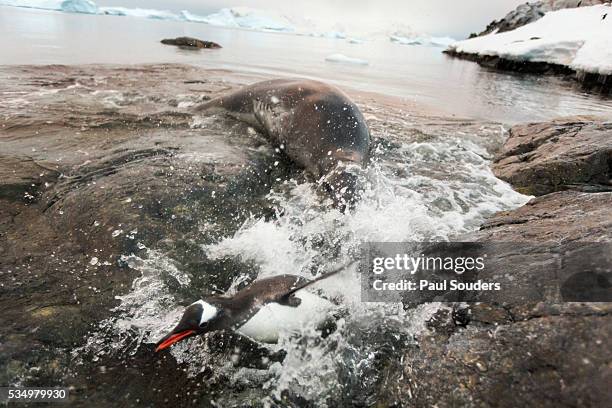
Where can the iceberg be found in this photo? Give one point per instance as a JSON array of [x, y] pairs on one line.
[[37, 4], [423, 40], [139, 12], [70, 6], [579, 38], [405, 40], [244, 17], [334, 34], [193, 18], [341, 58], [79, 6]]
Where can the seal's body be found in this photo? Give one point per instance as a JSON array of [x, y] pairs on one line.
[[314, 123], [231, 312]]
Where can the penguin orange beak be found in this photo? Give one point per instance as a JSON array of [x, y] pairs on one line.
[[173, 338]]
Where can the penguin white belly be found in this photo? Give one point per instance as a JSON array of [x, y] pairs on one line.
[[273, 319]]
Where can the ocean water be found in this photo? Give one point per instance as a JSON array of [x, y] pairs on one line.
[[417, 73]]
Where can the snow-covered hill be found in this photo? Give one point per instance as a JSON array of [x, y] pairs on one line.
[[578, 38]]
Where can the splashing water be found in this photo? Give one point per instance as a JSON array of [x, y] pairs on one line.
[[422, 186]]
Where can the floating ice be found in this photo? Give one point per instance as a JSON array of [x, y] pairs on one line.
[[341, 58], [355, 40]]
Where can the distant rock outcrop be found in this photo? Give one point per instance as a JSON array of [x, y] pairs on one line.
[[190, 42], [529, 12]]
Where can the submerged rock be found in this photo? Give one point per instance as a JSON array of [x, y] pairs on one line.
[[540, 158], [190, 42]]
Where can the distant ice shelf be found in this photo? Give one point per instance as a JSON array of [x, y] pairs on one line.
[[236, 17]]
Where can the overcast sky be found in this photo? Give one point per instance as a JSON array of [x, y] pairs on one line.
[[456, 18]]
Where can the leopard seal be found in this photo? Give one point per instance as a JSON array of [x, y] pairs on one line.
[[315, 124]]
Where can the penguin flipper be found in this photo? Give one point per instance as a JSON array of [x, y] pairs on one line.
[[324, 276]]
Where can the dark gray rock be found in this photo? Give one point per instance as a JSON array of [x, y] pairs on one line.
[[573, 153], [546, 354], [190, 42], [87, 175]]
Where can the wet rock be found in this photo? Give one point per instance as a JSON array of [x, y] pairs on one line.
[[190, 42], [549, 352], [546, 353], [89, 176], [558, 217], [545, 361], [541, 158]]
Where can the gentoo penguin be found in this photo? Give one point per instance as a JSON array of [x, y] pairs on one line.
[[315, 124], [223, 312]]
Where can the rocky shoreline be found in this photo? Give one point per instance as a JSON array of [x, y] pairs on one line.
[[103, 161], [593, 82], [549, 353]]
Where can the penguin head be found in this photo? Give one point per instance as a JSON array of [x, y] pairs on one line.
[[197, 319]]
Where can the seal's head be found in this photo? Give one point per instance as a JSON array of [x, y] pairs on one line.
[[197, 319]]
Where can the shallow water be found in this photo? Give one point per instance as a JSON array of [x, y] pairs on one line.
[[417, 73]]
